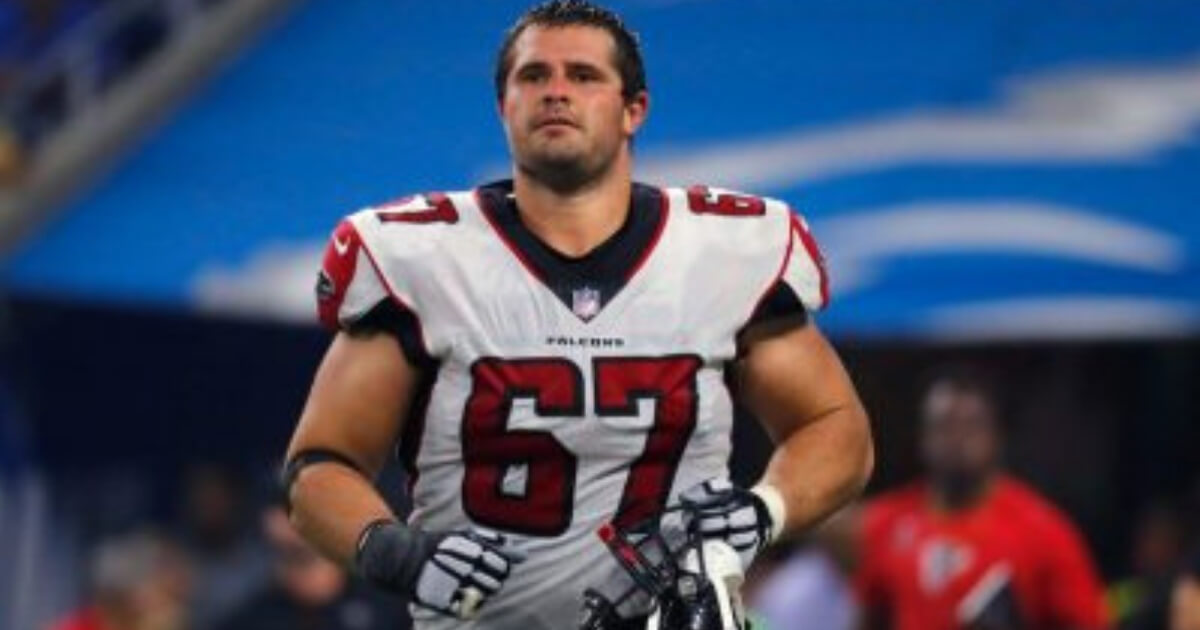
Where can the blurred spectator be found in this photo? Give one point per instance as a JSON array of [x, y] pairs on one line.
[[1185, 597], [28, 30], [309, 592], [807, 586], [971, 547], [1168, 601], [39, 91], [138, 581], [229, 561], [29, 27], [1140, 602], [139, 35], [12, 154]]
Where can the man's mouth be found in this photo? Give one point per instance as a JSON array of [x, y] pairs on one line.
[[555, 121]]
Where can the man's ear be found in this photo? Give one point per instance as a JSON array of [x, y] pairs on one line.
[[636, 111]]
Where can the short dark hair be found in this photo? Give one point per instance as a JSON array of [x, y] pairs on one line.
[[628, 57], [971, 379]]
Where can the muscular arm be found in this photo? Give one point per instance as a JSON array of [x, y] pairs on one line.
[[356, 408], [791, 379]]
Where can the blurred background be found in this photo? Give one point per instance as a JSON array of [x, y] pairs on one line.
[[1013, 185]]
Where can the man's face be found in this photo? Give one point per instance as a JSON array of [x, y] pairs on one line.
[[959, 443], [563, 111]]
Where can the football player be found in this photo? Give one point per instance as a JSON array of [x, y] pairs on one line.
[[562, 350]]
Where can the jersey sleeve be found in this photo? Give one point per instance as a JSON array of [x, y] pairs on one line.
[[801, 285], [1075, 594], [348, 286], [353, 296], [804, 270]]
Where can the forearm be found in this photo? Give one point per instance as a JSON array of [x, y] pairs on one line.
[[354, 411], [331, 504], [821, 466]]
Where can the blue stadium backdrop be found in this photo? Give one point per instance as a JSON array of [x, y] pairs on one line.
[[973, 170]]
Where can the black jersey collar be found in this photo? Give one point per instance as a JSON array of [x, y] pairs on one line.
[[584, 284]]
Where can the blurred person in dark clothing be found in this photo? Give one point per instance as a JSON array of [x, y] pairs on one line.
[[230, 561], [309, 592], [12, 154], [140, 35], [138, 581], [970, 547], [28, 28], [28, 31], [1173, 601], [1140, 602]]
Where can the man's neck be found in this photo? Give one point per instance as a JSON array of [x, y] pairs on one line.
[[577, 222], [948, 501]]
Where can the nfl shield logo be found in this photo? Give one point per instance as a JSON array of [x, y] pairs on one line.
[[585, 302], [325, 287]]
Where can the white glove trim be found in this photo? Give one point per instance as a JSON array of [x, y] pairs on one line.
[[776, 507]]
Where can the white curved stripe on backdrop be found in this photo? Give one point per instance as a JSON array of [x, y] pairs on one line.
[[1058, 317], [858, 244], [276, 282], [1099, 114]]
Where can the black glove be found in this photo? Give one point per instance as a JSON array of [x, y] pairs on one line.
[[452, 573]]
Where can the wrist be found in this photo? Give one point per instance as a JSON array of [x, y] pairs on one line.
[[391, 555], [776, 507]]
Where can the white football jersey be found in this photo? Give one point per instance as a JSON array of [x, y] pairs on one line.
[[565, 393]]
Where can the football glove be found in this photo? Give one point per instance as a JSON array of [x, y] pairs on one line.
[[717, 509], [452, 573]]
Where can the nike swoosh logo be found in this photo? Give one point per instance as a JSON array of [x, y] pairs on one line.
[[341, 246]]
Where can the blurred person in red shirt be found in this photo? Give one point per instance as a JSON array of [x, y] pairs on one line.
[[970, 547], [139, 581]]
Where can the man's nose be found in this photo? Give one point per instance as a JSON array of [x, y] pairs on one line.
[[557, 88]]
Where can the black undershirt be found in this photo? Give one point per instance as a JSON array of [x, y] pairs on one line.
[[605, 269]]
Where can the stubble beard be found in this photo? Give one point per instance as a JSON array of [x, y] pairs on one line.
[[566, 172]]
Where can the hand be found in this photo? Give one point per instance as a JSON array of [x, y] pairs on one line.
[[466, 569], [717, 509], [452, 573]]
